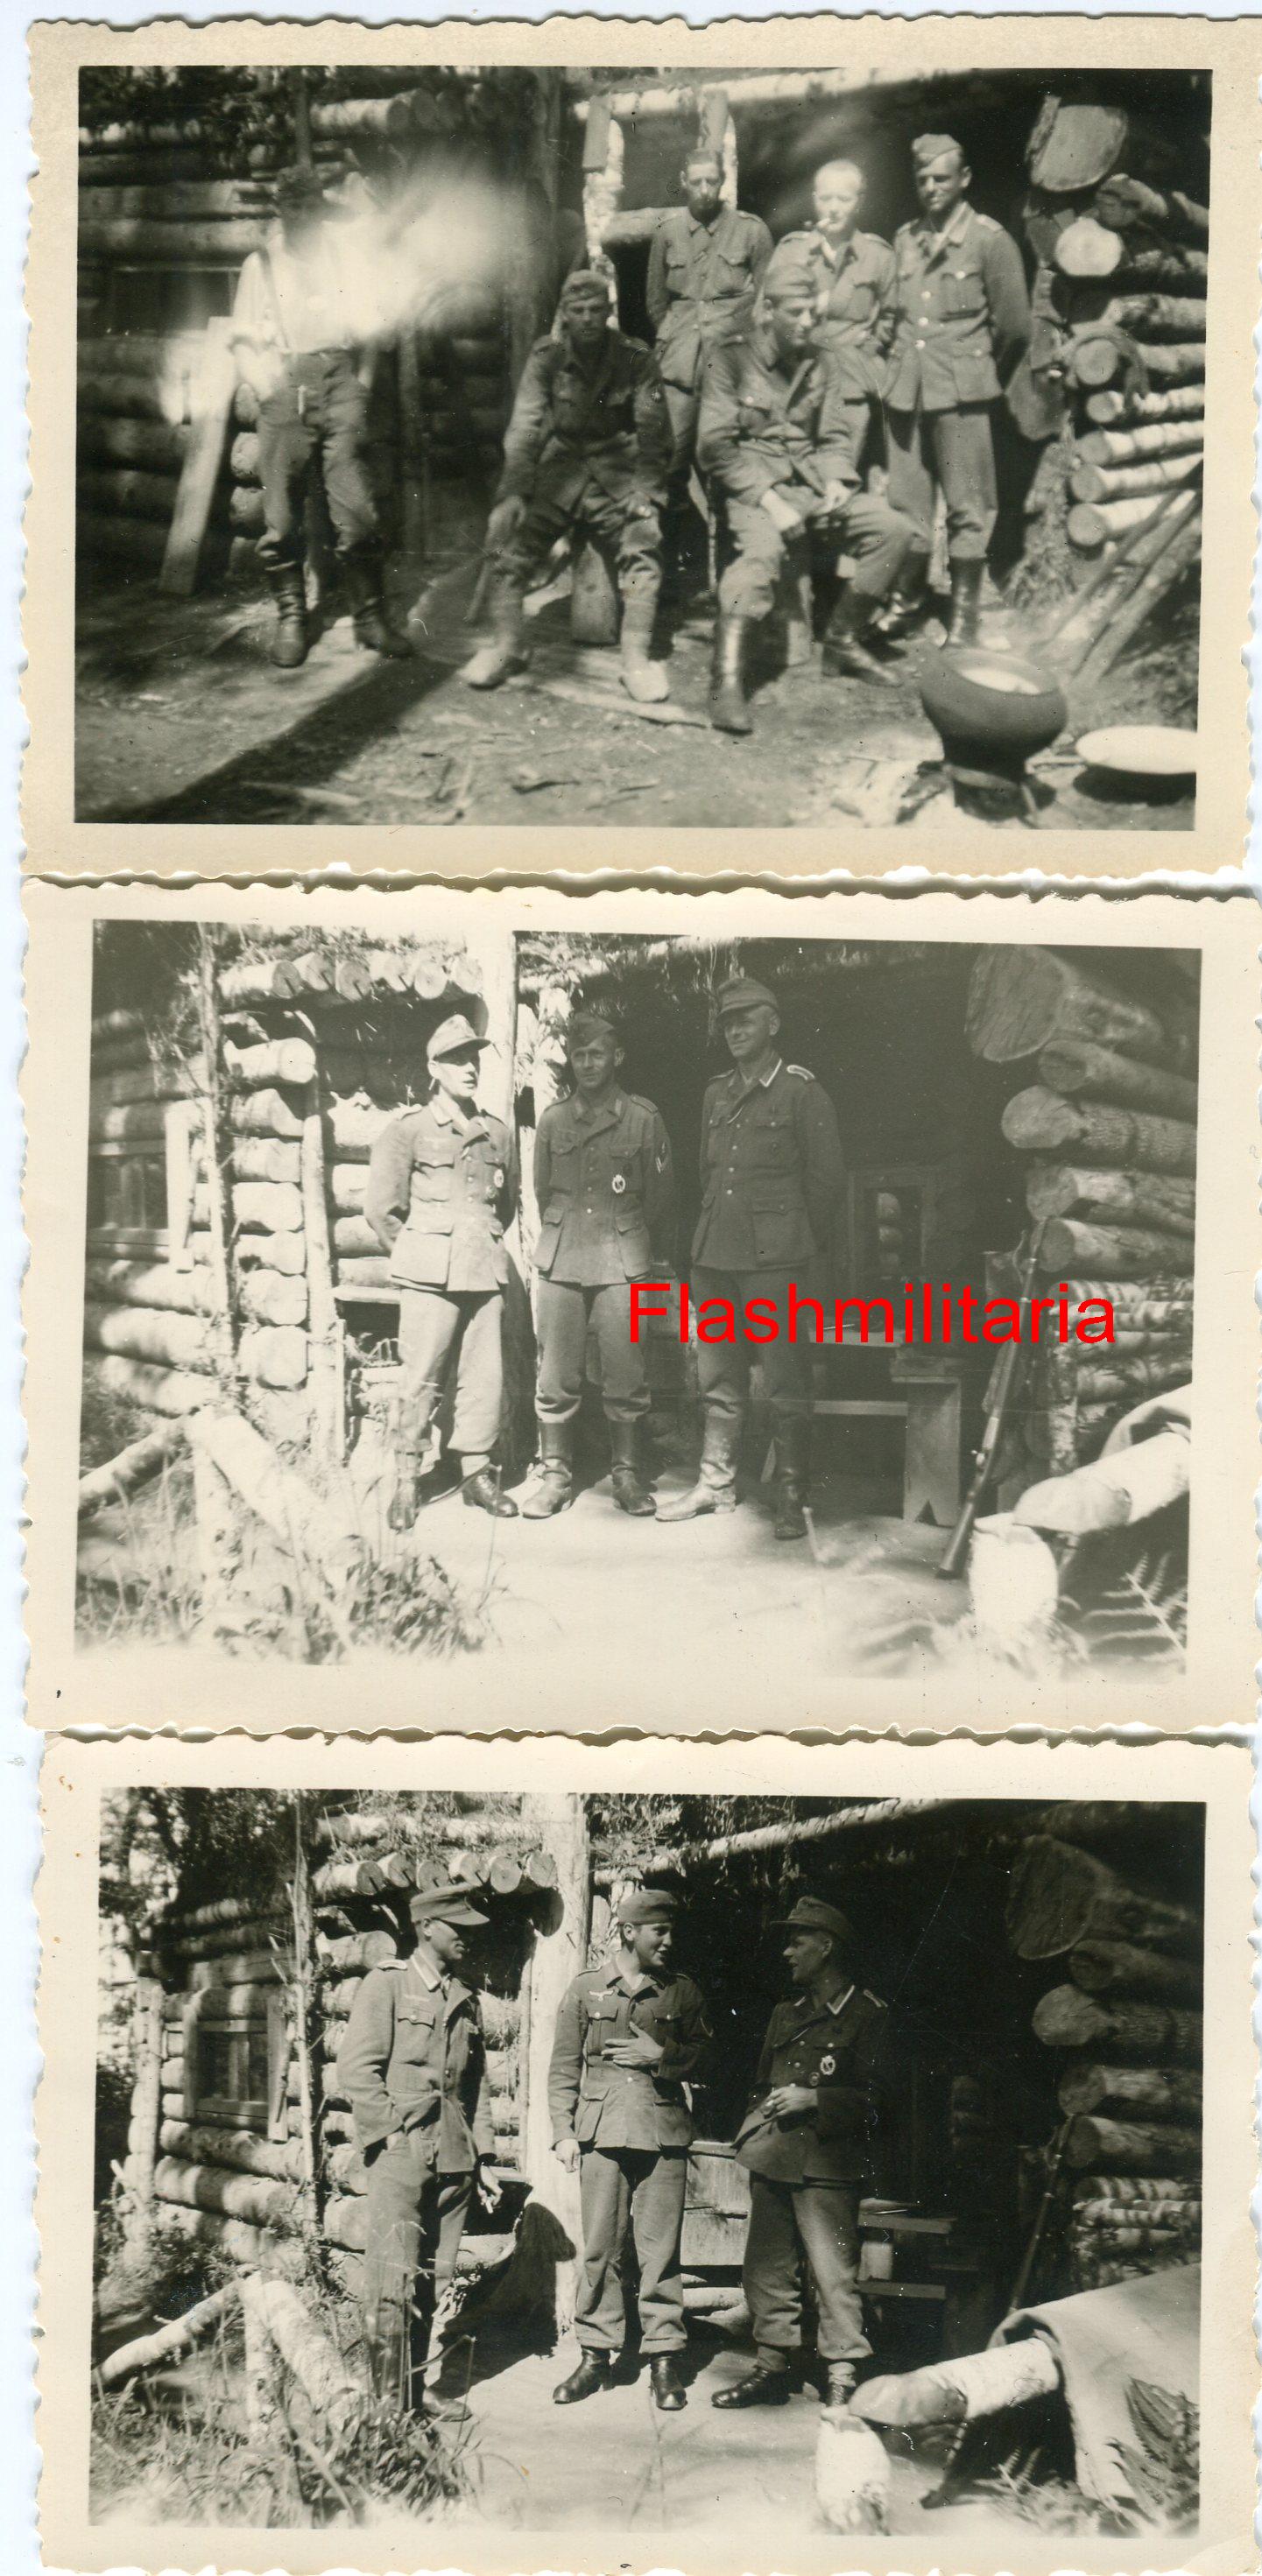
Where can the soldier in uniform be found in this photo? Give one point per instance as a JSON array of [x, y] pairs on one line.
[[586, 452], [852, 274], [777, 435], [627, 2040], [771, 1179], [295, 327], [705, 261], [806, 2142], [413, 2068], [963, 323], [605, 1194], [442, 1186]]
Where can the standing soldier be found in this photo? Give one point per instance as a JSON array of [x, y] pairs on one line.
[[413, 2068], [771, 1179], [295, 328], [585, 452], [777, 434], [605, 1193], [442, 1186], [853, 277], [705, 262], [963, 323], [807, 2143], [627, 2039]]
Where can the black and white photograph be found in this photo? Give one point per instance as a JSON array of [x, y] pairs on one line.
[[734, 2169], [550, 1303], [566, 446]]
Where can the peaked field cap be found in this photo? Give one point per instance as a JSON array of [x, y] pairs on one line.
[[648, 1905], [811, 1914], [445, 1905], [585, 281], [930, 147], [453, 1034], [791, 263], [744, 993], [596, 1014]]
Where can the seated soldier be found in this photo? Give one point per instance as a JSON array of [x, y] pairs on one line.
[[585, 454], [776, 436]]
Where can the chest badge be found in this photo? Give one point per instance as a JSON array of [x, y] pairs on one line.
[[497, 1178], [619, 1184], [828, 2065]]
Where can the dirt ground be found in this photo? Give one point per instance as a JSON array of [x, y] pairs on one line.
[[181, 718]]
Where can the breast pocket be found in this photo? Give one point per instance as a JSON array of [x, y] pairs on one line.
[[965, 294], [771, 1148]]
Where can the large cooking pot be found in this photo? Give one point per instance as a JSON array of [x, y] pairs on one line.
[[993, 710]]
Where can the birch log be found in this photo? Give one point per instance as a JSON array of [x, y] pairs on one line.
[[1163, 1199], [1132, 2146], [1105, 1967], [1022, 999], [1060, 1896], [1067, 2018], [170, 2342], [958, 2392], [1040, 1121], [1166, 2092]]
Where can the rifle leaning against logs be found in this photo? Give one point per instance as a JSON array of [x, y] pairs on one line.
[[1001, 1393]]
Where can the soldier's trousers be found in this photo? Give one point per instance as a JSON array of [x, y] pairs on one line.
[[818, 2223], [432, 1324], [641, 2188], [683, 406], [625, 526], [415, 2222], [868, 537], [952, 452], [565, 1316], [315, 418], [723, 1367]]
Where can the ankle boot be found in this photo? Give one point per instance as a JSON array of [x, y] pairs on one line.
[[845, 654], [966, 598], [506, 651], [839, 2384], [668, 2388], [288, 647], [792, 1457], [483, 1492], [366, 573], [767, 2384], [715, 1489], [728, 711], [555, 1490], [907, 598], [642, 678], [594, 2372], [630, 1492]]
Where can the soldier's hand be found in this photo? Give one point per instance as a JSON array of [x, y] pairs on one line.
[[781, 512], [792, 2101], [566, 2152], [836, 495], [505, 520], [490, 2188], [638, 2050]]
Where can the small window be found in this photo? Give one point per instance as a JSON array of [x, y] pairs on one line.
[[140, 1193], [236, 2064]]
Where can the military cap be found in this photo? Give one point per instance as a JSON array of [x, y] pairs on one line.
[[586, 281], [811, 1914], [597, 1014], [445, 1905], [744, 993], [930, 147], [648, 1905], [453, 1034], [790, 264], [298, 185]]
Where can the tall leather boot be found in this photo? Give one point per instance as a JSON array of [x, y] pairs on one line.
[[715, 1489], [642, 678], [288, 647], [845, 655], [506, 651], [728, 710], [907, 598], [793, 1445], [630, 1492], [966, 601], [555, 1491], [365, 573], [409, 1451]]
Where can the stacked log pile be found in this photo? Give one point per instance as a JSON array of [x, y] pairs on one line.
[[1127, 2027], [1109, 1129]]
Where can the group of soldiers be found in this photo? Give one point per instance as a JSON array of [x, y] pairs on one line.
[[776, 375], [443, 1186], [631, 2040]]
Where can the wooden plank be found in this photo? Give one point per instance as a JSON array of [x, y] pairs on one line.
[[203, 463]]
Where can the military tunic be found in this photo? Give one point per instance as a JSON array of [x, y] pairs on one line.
[[588, 447], [768, 425], [771, 1181], [806, 2172], [853, 285], [413, 2068], [963, 322], [441, 1190], [699, 277], [634, 2128], [307, 313], [604, 1186]]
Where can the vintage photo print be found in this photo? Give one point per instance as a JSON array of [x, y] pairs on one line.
[[652, 1310], [514, 2156], [458, 433]]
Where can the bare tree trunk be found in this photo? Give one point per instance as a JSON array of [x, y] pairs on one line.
[[560, 1823]]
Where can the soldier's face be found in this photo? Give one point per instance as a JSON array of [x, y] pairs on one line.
[[749, 1033], [448, 1941], [586, 317], [792, 320], [703, 188], [807, 1953], [649, 1943], [838, 195], [457, 1074], [940, 184], [594, 1061]]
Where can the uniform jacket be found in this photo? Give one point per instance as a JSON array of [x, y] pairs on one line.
[[295, 306], [854, 305], [618, 2106], [439, 1196], [771, 1171], [414, 2059], [765, 426], [963, 313], [835, 2047], [575, 425], [605, 1190], [698, 275]]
